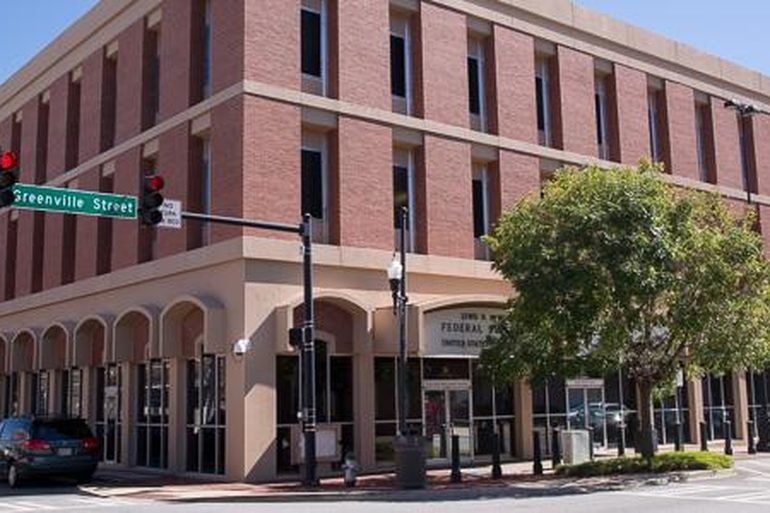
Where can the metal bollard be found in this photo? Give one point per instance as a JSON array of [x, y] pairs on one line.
[[752, 449], [704, 442], [537, 459], [497, 469], [590, 430], [678, 437], [621, 439], [763, 445], [456, 475], [555, 448], [728, 438]]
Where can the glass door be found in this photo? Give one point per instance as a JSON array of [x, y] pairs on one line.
[[585, 409], [434, 409], [447, 412], [108, 416]]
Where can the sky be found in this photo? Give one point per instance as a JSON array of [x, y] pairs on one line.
[[737, 30], [29, 25]]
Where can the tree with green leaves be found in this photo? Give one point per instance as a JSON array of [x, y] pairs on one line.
[[619, 268]]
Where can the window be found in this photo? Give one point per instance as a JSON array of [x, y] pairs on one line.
[[400, 64], [208, 56], [313, 26], [10, 258], [206, 187], [314, 183], [654, 122], [152, 80], [481, 224], [403, 195], [73, 125], [199, 191], [206, 415], [703, 135], [718, 405], [602, 116], [543, 98], [104, 230], [152, 414], [744, 139], [109, 102], [476, 84]]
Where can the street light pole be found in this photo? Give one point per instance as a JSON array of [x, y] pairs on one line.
[[397, 277], [744, 111]]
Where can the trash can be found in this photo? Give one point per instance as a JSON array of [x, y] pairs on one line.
[[410, 461]]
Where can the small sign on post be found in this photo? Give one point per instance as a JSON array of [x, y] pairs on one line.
[[172, 214]]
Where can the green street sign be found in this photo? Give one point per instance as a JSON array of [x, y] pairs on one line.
[[73, 201]]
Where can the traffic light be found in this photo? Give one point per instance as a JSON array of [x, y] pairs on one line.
[[152, 199], [8, 177]]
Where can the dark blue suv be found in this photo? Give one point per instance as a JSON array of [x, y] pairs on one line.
[[46, 447]]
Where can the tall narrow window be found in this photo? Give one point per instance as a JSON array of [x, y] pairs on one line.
[[199, 191], [744, 139], [104, 231], [72, 153], [313, 21], [314, 183], [43, 116], [602, 116], [476, 84], [208, 56], [704, 143], [654, 123], [403, 195], [543, 98], [109, 101], [481, 223], [10, 257], [400, 64], [152, 80]]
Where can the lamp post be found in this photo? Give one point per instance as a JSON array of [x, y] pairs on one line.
[[410, 451], [397, 279], [744, 111]]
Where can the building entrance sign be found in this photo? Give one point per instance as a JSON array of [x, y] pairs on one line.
[[458, 331], [73, 201]]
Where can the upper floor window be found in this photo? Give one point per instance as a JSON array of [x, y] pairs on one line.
[[313, 25], [403, 195], [208, 56], [152, 83], [315, 183], [543, 98], [476, 84], [703, 139], [744, 139], [109, 101], [654, 122], [72, 156], [400, 64], [481, 216], [602, 116]]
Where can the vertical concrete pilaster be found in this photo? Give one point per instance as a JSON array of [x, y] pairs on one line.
[[522, 398], [695, 397], [741, 405]]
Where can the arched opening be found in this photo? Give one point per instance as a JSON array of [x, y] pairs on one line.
[[185, 334], [147, 413], [92, 389], [21, 371], [340, 332], [49, 382]]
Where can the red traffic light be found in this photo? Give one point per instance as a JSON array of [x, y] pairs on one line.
[[8, 160], [154, 183]]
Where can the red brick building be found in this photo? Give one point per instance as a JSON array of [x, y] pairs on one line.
[[347, 110]]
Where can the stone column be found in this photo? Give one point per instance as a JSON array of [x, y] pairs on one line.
[[363, 408], [176, 416], [740, 405], [127, 414], [695, 398], [522, 399]]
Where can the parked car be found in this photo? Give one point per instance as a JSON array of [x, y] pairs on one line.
[[46, 447]]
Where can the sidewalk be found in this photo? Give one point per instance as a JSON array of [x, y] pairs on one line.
[[517, 481]]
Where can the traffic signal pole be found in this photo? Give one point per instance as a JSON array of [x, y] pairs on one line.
[[308, 397]]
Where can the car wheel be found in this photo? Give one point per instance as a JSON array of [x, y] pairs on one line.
[[85, 478], [14, 480]]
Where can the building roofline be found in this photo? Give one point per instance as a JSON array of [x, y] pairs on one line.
[[584, 23]]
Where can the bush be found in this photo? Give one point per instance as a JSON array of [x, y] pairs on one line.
[[667, 462]]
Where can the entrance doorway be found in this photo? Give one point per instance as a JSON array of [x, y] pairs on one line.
[[108, 415], [447, 412], [586, 409]]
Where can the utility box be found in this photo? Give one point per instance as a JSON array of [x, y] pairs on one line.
[[576, 446]]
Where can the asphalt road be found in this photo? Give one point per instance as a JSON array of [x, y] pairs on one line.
[[746, 492]]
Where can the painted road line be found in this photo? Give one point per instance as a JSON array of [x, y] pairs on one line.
[[35, 506]]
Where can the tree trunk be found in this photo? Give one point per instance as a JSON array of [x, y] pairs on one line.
[[646, 421]]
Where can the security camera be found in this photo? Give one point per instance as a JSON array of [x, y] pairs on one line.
[[241, 347]]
